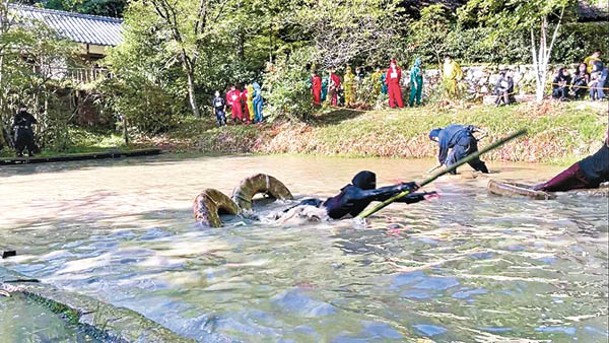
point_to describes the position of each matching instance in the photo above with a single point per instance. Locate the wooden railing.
(76, 75)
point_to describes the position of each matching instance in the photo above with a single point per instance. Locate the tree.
(34, 64)
(430, 33)
(344, 31)
(534, 16)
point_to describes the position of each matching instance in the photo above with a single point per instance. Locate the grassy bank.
(83, 141)
(558, 132)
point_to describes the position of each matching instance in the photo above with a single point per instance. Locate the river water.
(466, 267)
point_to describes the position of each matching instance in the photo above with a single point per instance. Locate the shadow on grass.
(335, 117)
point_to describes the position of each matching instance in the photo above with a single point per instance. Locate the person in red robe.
(233, 99)
(246, 111)
(334, 87)
(392, 79)
(316, 88)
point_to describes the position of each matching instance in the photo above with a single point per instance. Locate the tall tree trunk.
(125, 131)
(541, 58)
(190, 77)
(192, 96)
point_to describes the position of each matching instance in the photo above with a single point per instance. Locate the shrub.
(286, 87)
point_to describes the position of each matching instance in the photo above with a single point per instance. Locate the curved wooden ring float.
(209, 204)
(259, 183)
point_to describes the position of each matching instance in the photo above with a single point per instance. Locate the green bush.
(470, 46)
(578, 40)
(286, 87)
(147, 107)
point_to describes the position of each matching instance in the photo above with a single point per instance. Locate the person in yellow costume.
(452, 74)
(377, 83)
(250, 102)
(349, 84)
(590, 60)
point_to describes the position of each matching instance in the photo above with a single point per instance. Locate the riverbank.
(558, 132)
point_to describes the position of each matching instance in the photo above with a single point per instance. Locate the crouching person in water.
(24, 135)
(587, 173)
(460, 140)
(356, 196)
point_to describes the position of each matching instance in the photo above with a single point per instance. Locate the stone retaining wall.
(479, 81)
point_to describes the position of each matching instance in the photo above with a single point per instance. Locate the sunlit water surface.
(467, 267)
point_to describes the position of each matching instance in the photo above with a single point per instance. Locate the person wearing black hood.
(561, 84)
(24, 135)
(356, 196)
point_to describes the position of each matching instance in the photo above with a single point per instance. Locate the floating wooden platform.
(79, 157)
(511, 189)
(516, 189)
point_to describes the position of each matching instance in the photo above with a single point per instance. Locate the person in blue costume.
(457, 142)
(324, 88)
(384, 88)
(416, 83)
(258, 103)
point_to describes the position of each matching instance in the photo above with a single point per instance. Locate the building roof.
(76, 27)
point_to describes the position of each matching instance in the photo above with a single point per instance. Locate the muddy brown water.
(469, 266)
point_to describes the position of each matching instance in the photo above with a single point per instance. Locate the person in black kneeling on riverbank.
(356, 196)
(587, 173)
(24, 134)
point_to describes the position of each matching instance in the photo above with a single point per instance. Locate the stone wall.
(479, 81)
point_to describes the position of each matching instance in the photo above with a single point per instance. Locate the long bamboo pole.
(443, 171)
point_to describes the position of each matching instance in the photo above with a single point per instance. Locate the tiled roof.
(80, 28)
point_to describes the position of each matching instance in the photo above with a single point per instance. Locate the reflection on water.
(469, 266)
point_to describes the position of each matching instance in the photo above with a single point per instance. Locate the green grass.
(83, 141)
(558, 133)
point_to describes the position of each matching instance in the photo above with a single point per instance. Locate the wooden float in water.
(260, 183)
(511, 189)
(208, 206)
(516, 189)
(79, 157)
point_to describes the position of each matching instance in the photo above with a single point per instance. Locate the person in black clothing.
(587, 173)
(504, 88)
(24, 135)
(560, 85)
(356, 196)
(219, 105)
(581, 78)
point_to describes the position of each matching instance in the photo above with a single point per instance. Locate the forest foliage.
(176, 53)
